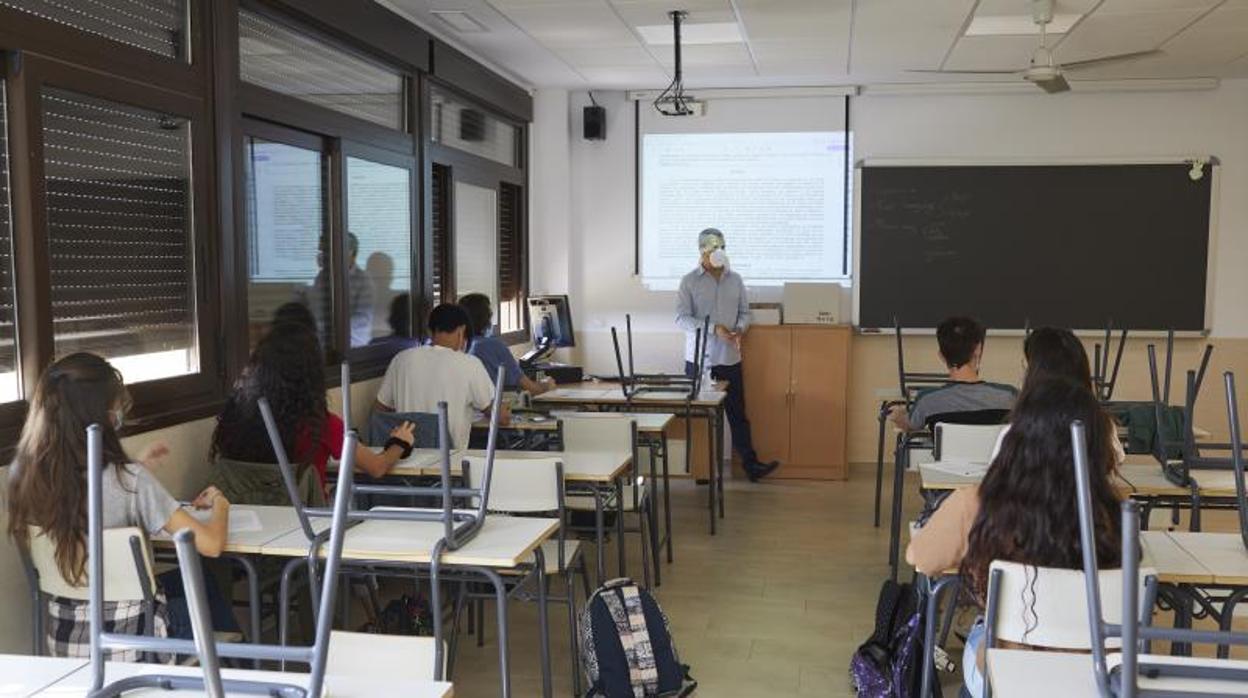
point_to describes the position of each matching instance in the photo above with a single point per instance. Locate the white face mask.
(718, 258)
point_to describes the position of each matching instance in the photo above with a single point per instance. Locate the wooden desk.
(939, 476)
(1222, 554)
(647, 422)
(708, 404)
(24, 675)
(355, 686)
(503, 543)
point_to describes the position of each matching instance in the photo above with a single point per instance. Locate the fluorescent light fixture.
(706, 33)
(460, 21)
(1018, 25)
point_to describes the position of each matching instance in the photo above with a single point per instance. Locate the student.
(1025, 509)
(1052, 352)
(48, 488)
(961, 341)
(491, 350)
(421, 377)
(287, 368)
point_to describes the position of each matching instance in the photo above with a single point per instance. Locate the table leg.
(667, 500)
(894, 531)
(719, 455)
(879, 469)
(283, 603)
(1228, 617)
(621, 551)
(504, 653)
(600, 534)
(652, 512)
(543, 627)
(710, 469)
(253, 597)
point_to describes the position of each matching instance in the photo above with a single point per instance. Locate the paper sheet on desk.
(241, 520)
(957, 468)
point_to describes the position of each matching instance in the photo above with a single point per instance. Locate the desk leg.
(543, 627)
(600, 536)
(621, 551)
(894, 532)
(504, 653)
(1228, 617)
(719, 455)
(283, 603)
(253, 597)
(667, 500)
(652, 512)
(879, 469)
(711, 472)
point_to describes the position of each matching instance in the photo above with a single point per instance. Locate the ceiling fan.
(1043, 71)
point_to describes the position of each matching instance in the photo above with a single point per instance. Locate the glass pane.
(475, 235)
(120, 234)
(281, 59)
(10, 386)
(462, 126)
(285, 238)
(379, 245)
(159, 26)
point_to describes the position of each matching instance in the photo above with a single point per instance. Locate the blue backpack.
(626, 645)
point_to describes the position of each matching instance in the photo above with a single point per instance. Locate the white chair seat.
(1212, 687)
(404, 657)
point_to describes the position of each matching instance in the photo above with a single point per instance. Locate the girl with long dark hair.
(47, 490)
(1025, 510)
(287, 368)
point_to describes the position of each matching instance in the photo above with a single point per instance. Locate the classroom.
(623, 348)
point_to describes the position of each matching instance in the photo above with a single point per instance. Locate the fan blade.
(1111, 59)
(966, 72)
(1054, 86)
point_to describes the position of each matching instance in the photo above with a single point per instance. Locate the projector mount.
(673, 101)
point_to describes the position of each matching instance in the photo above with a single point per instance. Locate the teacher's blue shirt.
(494, 353)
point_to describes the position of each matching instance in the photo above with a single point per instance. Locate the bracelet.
(396, 441)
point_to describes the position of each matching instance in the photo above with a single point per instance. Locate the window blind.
(119, 233)
(441, 214)
(510, 258)
(158, 26)
(8, 314)
(281, 59)
(466, 127)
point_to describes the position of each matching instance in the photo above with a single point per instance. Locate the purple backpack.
(889, 664)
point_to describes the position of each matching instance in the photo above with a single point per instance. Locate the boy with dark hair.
(417, 379)
(961, 342)
(491, 350)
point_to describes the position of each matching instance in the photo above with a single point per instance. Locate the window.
(440, 185)
(119, 234)
(475, 240)
(511, 255)
(379, 251)
(286, 237)
(9, 385)
(281, 59)
(462, 126)
(158, 26)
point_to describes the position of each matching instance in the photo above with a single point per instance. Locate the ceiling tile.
(1105, 34)
(582, 24)
(891, 36)
(992, 53)
(622, 57)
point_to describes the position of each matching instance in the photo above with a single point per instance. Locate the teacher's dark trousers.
(734, 408)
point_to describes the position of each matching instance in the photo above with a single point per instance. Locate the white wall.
(1089, 126)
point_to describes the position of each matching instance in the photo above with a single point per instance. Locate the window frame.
(158, 402)
(474, 169)
(373, 359)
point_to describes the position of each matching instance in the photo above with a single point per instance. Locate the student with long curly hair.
(1025, 510)
(47, 489)
(287, 368)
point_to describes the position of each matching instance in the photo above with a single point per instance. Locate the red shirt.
(329, 444)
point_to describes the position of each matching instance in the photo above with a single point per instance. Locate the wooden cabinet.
(796, 383)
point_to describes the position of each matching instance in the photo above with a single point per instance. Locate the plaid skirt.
(69, 628)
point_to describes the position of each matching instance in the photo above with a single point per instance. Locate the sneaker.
(760, 469)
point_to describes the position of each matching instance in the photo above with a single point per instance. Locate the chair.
(1167, 676)
(585, 433)
(965, 441)
(127, 571)
(531, 486)
(405, 657)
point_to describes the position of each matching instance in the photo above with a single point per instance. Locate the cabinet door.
(820, 380)
(766, 353)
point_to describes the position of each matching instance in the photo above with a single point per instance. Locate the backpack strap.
(630, 623)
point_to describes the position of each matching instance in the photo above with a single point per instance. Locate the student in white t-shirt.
(419, 378)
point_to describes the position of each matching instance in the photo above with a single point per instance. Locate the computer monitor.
(550, 322)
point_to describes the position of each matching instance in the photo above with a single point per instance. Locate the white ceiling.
(594, 43)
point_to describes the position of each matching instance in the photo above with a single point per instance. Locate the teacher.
(714, 291)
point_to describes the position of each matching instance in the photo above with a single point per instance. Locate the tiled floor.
(773, 606)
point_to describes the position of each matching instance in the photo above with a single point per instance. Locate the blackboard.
(1076, 246)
